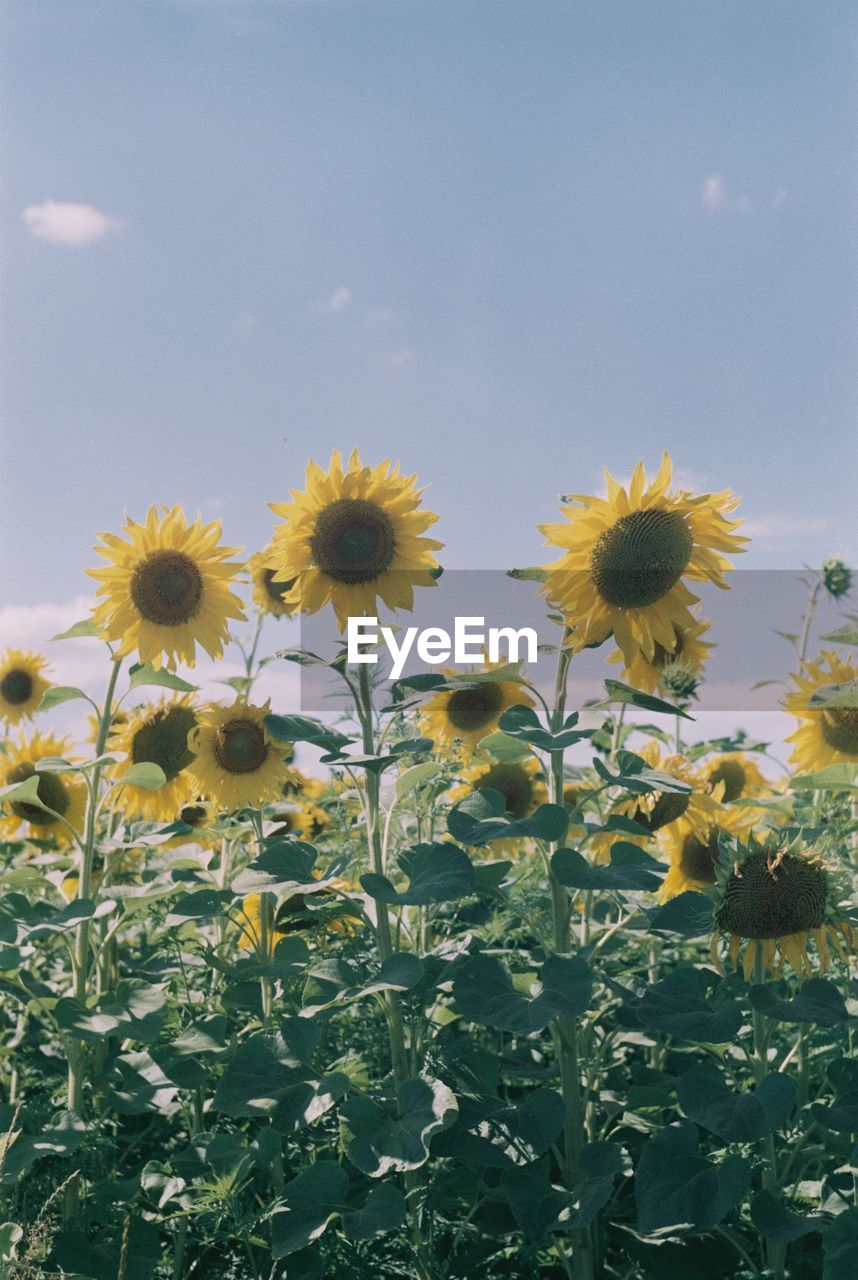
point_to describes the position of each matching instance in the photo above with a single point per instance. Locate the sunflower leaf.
(629, 868)
(836, 777)
(774, 1220)
(619, 692)
(483, 990)
(307, 1206)
(86, 627)
(818, 1002)
(757, 1113)
(481, 818)
(523, 722)
(145, 774)
(60, 693)
(141, 673)
(843, 635)
(305, 729)
(380, 1143)
(674, 1185)
(678, 1006)
(836, 695)
(437, 872)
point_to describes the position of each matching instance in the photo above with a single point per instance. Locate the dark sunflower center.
(515, 785)
(240, 746)
(471, 709)
(840, 729)
(637, 561)
(193, 815)
(768, 900)
(276, 590)
(731, 773)
(699, 858)
(163, 740)
(16, 687)
(353, 540)
(167, 588)
(51, 791)
(669, 806)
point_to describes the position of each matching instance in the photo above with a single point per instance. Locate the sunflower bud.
(680, 681)
(837, 577)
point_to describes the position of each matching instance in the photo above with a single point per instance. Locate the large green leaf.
(483, 990)
(282, 867)
(383, 1210)
(689, 914)
(707, 1099)
(380, 1143)
(840, 1246)
(818, 1001)
(523, 723)
(307, 1205)
(437, 872)
(61, 1138)
(270, 1075)
(481, 818)
(835, 777)
(305, 729)
(776, 1222)
(675, 1186)
(619, 692)
(630, 868)
(678, 1005)
(142, 673)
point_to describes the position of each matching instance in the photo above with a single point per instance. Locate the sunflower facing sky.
(268, 591)
(167, 588)
(827, 735)
(352, 537)
(65, 794)
(625, 558)
(158, 734)
(776, 899)
(235, 761)
(458, 719)
(22, 685)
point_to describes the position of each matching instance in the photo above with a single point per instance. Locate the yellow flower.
(236, 762)
(196, 814)
(519, 783)
(352, 537)
(740, 774)
(22, 685)
(625, 557)
(157, 734)
(308, 821)
(689, 652)
(776, 899)
(65, 794)
(694, 854)
(827, 735)
(458, 719)
(293, 915)
(268, 592)
(166, 589)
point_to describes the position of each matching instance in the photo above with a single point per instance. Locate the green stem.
(775, 1253)
(808, 617)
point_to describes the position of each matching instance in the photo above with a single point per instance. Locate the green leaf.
(84, 628)
(619, 692)
(481, 818)
(26, 792)
(843, 635)
(145, 774)
(62, 1138)
(270, 1075)
(774, 1220)
(60, 693)
(70, 917)
(11, 1235)
(836, 695)
(307, 1205)
(532, 573)
(80, 1255)
(500, 746)
(483, 990)
(523, 722)
(688, 914)
(142, 673)
(379, 1143)
(706, 1099)
(836, 777)
(678, 1006)
(840, 1246)
(383, 1210)
(202, 904)
(630, 868)
(280, 868)
(304, 729)
(437, 872)
(415, 777)
(818, 1001)
(676, 1186)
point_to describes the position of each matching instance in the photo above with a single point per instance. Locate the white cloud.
(337, 302)
(713, 192)
(63, 222)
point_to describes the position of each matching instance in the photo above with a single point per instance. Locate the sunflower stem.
(80, 953)
(808, 617)
(565, 1026)
(775, 1252)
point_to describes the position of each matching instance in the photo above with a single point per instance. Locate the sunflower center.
(163, 740)
(167, 588)
(353, 540)
(193, 815)
(51, 791)
(472, 709)
(514, 784)
(699, 858)
(16, 687)
(731, 773)
(669, 806)
(768, 900)
(840, 729)
(637, 561)
(240, 746)
(276, 590)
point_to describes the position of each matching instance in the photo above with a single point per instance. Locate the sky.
(507, 242)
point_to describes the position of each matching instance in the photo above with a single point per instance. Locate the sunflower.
(158, 734)
(235, 761)
(268, 592)
(65, 794)
(199, 816)
(294, 915)
(519, 782)
(668, 813)
(166, 588)
(352, 537)
(778, 898)
(22, 685)
(694, 854)
(828, 735)
(740, 774)
(308, 821)
(458, 719)
(625, 557)
(686, 658)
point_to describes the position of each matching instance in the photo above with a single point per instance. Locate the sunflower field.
(461, 980)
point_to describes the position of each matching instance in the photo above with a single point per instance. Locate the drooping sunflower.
(158, 734)
(625, 558)
(687, 656)
(236, 762)
(352, 537)
(827, 735)
(458, 719)
(167, 588)
(22, 685)
(269, 592)
(776, 897)
(61, 792)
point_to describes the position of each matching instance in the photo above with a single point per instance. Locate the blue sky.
(505, 242)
